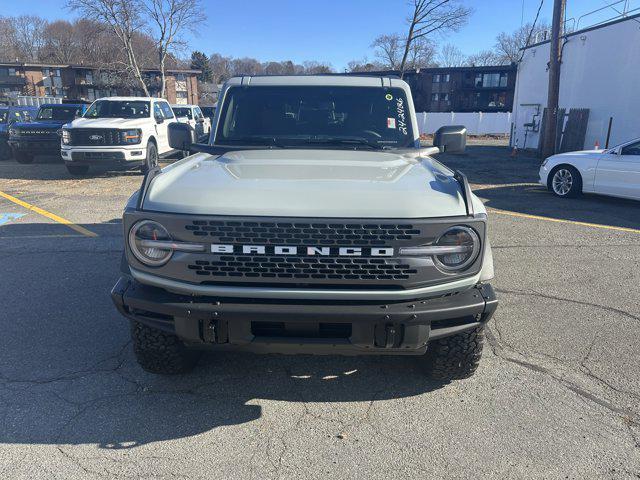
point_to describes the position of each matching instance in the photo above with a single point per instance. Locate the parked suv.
(129, 131)
(312, 222)
(9, 115)
(41, 137)
(192, 115)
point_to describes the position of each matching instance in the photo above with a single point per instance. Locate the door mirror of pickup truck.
(159, 119)
(451, 138)
(181, 136)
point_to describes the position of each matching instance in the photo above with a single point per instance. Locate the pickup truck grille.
(286, 233)
(37, 132)
(92, 137)
(298, 268)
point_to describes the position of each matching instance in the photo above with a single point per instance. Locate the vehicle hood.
(41, 124)
(578, 154)
(120, 123)
(307, 183)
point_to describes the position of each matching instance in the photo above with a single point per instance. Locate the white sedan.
(614, 172)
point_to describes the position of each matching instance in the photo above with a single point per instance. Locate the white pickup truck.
(192, 115)
(130, 131)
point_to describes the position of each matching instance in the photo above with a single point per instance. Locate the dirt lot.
(557, 394)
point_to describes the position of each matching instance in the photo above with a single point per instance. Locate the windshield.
(58, 113)
(4, 114)
(118, 109)
(182, 112)
(288, 116)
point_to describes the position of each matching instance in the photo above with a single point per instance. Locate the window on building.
(491, 80)
(445, 97)
(436, 78)
(181, 77)
(444, 78)
(435, 97)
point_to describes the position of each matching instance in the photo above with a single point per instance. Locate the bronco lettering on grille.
(303, 251)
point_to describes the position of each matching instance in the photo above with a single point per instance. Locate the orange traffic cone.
(514, 152)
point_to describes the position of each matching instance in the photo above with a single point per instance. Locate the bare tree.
(124, 19)
(422, 54)
(246, 66)
(221, 67)
(170, 19)
(483, 59)
(451, 56)
(432, 17)
(364, 66)
(28, 36)
(8, 50)
(388, 49)
(508, 45)
(316, 68)
(61, 43)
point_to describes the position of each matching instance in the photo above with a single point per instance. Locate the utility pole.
(549, 147)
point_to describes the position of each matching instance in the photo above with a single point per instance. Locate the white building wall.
(600, 71)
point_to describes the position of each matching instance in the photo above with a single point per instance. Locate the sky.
(333, 31)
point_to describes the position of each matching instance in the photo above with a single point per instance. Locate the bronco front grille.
(285, 233)
(299, 268)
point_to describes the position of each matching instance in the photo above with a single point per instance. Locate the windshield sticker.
(388, 96)
(391, 123)
(402, 119)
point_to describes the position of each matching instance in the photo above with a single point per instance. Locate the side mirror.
(181, 136)
(451, 138)
(159, 119)
(200, 120)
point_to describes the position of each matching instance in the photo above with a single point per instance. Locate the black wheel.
(455, 357)
(565, 181)
(160, 352)
(152, 158)
(22, 157)
(78, 169)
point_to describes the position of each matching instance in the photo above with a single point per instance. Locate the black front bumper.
(319, 327)
(35, 147)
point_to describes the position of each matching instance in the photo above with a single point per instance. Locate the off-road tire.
(152, 158)
(575, 182)
(160, 352)
(22, 157)
(78, 169)
(455, 357)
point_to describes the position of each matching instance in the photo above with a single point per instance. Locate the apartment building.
(82, 82)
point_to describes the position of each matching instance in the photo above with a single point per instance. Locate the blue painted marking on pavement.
(7, 217)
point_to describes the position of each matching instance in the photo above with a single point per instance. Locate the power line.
(533, 27)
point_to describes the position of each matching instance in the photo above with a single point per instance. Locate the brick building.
(82, 82)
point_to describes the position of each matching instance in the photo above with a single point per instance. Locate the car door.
(198, 122)
(162, 128)
(618, 172)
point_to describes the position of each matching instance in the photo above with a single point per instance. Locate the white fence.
(477, 123)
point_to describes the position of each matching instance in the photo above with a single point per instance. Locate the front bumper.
(132, 156)
(36, 146)
(310, 327)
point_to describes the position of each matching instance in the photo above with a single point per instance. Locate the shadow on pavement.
(68, 375)
(493, 165)
(53, 168)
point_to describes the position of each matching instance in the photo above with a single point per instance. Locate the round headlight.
(140, 235)
(468, 247)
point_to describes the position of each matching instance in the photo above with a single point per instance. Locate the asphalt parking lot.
(557, 394)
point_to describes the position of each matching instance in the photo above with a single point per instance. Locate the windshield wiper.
(345, 141)
(266, 140)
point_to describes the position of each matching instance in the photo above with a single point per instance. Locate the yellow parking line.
(559, 220)
(49, 215)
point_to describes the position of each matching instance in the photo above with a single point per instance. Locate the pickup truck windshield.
(183, 112)
(304, 116)
(58, 113)
(118, 109)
